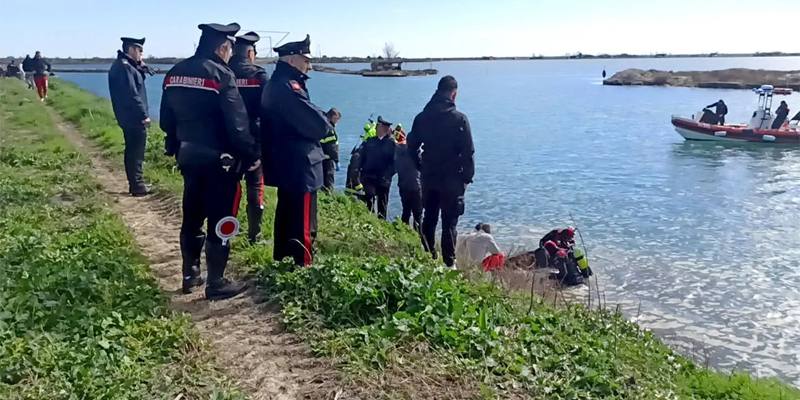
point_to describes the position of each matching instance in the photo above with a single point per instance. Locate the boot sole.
(227, 295)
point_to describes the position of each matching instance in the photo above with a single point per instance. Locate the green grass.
(377, 306)
(80, 315)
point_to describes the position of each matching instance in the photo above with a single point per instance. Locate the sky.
(416, 28)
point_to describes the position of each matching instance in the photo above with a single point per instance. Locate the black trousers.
(328, 174)
(376, 196)
(450, 202)
(295, 226)
(209, 194)
(135, 142)
(412, 206)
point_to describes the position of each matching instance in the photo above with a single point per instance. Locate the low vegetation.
(80, 315)
(380, 308)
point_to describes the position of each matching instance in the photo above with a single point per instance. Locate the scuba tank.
(582, 261)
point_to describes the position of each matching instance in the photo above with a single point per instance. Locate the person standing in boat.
(780, 115)
(721, 110)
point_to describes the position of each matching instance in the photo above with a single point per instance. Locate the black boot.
(191, 246)
(219, 288)
(139, 189)
(254, 215)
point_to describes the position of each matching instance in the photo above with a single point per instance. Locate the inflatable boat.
(759, 130)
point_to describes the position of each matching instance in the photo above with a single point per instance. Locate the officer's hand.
(255, 165)
(146, 122)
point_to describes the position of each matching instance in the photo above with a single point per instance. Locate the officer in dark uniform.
(208, 130)
(377, 168)
(129, 100)
(446, 165)
(330, 147)
(251, 79)
(291, 128)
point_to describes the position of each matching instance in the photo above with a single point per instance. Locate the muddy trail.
(245, 333)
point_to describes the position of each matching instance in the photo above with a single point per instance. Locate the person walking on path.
(27, 68)
(291, 128)
(443, 136)
(41, 71)
(129, 102)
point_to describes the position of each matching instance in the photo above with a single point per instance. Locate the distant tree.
(389, 51)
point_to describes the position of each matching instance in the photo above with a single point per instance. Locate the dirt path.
(245, 333)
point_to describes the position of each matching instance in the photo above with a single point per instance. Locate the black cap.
(249, 38)
(126, 41)
(220, 31)
(302, 47)
(383, 121)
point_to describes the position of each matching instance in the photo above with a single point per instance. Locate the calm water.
(705, 237)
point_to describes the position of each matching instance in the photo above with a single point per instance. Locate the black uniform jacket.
(128, 93)
(291, 128)
(377, 160)
(251, 80)
(201, 109)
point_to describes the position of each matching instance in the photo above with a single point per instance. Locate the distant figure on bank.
(291, 128)
(330, 147)
(720, 110)
(41, 70)
(251, 80)
(129, 101)
(13, 70)
(27, 68)
(781, 113)
(408, 181)
(446, 165)
(377, 168)
(208, 130)
(353, 185)
(479, 248)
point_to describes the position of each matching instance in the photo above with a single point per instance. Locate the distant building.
(386, 65)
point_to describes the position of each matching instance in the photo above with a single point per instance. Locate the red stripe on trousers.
(261, 191)
(307, 228)
(237, 198)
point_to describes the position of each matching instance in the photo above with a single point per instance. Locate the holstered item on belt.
(198, 155)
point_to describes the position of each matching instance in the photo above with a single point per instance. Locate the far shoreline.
(361, 60)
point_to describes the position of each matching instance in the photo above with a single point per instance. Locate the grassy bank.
(376, 305)
(80, 316)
